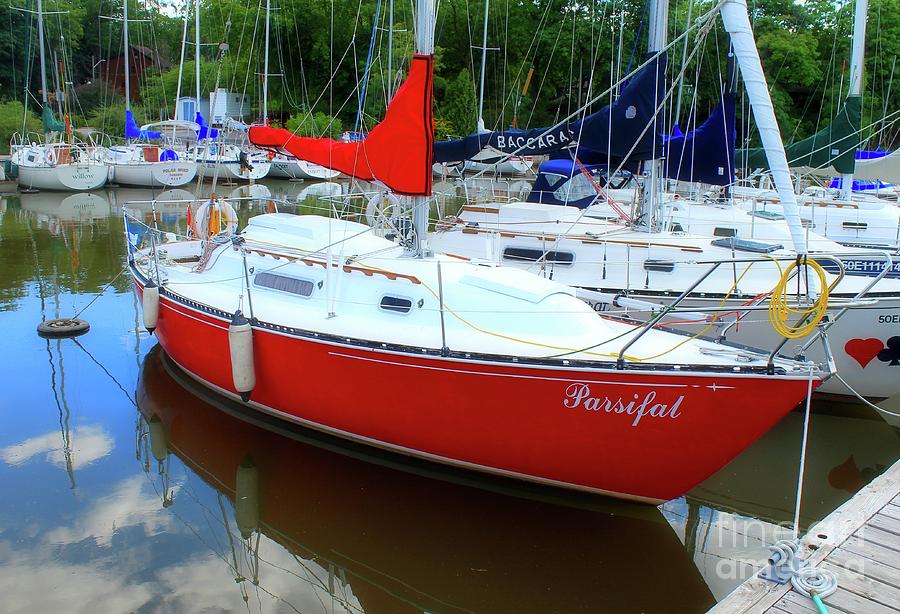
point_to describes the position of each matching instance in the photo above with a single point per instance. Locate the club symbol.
(891, 354)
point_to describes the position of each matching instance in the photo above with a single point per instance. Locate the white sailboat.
(489, 160)
(284, 166)
(144, 164)
(653, 265)
(61, 163)
(840, 214)
(216, 159)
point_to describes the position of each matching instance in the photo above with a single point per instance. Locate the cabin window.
(553, 179)
(767, 215)
(724, 232)
(284, 283)
(397, 304)
(578, 187)
(524, 254)
(747, 245)
(855, 225)
(664, 266)
(676, 227)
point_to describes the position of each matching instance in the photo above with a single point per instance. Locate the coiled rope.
(780, 309)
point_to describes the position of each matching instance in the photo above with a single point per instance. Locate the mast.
(857, 58)
(265, 107)
(483, 63)
(40, 16)
(390, 87)
(197, 49)
(424, 46)
(127, 54)
(687, 25)
(187, 15)
(659, 11)
(365, 79)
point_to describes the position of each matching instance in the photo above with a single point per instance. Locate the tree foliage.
(547, 57)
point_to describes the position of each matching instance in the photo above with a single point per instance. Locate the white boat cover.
(886, 168)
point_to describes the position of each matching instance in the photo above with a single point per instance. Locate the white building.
(222, 102)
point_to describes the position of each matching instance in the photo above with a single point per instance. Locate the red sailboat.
(320, 322)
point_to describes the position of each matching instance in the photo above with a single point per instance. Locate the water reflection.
(315, 530)
(382, 540)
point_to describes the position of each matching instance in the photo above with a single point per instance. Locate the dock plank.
(851, 602)
(886, 523)
(871, 550)
(795, 603)
(874, 569)
(866, 558)
(865, 586)
(882, 538)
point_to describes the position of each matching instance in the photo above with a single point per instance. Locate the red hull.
(458, 549)
(665, 434)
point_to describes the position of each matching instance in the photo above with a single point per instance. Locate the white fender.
(150, 304)
(158, 445)
(246, 497)
(240, 346)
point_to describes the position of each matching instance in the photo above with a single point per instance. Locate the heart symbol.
(863, 350)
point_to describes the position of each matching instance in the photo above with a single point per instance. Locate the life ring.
(63, 327)
(49, 158)
(222, 215)
(381, 208)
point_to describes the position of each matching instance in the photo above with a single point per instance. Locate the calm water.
(126, 489)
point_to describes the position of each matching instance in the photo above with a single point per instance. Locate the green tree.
(456, 104)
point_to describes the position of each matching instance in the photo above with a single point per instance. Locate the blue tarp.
(869, 154)
(705, 154)
(860, 185)
(205, 132)
(617, 131)
(133, 132)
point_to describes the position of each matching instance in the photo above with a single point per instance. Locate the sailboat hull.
(514, 165)
(64, 177)
(575, 428)
(298, 169)
(155, 174)
(232, 171)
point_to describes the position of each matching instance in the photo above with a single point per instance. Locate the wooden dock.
(859, 542)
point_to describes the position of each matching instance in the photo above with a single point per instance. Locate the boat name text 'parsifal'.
(579, 394)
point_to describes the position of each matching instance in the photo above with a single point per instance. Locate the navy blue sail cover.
(619, 130)
(705, 154)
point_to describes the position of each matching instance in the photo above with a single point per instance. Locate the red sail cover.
(397, 152)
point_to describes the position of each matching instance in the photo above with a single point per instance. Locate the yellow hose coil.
(780, 310)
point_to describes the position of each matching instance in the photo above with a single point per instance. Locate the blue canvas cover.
(133, 132)
(705, 154)
(550, 186)
(871, 154)
(860, 185)
(616, 131)
(205, 132)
